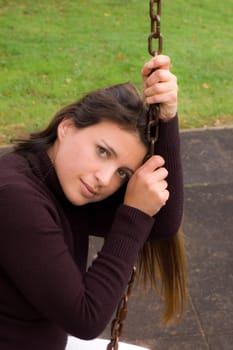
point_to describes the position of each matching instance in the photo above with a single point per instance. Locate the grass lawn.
(52, 51)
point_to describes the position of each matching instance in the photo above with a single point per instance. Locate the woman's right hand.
(147, 188)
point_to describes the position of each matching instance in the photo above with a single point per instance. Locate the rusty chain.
(154, 110)
(155, 28)
(152, 136)
(121, 314)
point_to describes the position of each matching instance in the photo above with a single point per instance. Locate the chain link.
(155, 28)
(121, 314)
(154, 110)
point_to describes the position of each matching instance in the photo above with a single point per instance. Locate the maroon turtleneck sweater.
(45, 290)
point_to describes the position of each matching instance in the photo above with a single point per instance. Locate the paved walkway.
(208, 226)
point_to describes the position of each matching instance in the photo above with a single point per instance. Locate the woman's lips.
(87, 190)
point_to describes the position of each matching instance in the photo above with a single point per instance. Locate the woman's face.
(93, 162)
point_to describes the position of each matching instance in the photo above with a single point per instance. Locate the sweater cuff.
(169, 136)
(169, 125)
(131, 228)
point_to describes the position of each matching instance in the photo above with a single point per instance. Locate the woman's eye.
(124, 175)
(102, 151)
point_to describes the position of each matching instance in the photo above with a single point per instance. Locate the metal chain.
(152, 136)
(121, 314)
(154, 110)
(155, 28)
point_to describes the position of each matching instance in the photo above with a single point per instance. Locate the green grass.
(52, 51)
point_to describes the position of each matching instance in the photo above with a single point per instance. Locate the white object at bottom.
(97, 344)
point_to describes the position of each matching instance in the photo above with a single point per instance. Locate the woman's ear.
(63, 128)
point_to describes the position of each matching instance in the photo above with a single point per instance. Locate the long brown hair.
(121, 104)
(162, 265)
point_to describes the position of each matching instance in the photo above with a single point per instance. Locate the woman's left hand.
(160, 86)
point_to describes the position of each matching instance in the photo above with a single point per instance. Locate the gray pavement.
(208, 227)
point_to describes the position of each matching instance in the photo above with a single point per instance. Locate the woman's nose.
(104, 176)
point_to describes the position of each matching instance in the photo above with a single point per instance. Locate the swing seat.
(97, 344)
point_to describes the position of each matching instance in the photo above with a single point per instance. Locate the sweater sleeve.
(168, 219)
(38, 262)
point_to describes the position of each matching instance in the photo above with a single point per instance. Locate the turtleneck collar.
(43, 168)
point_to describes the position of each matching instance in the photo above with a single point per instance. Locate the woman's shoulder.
(14, 169)
(22, 194)
(17, 178)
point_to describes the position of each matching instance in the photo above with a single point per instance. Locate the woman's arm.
(160, 86)
(169, 218)
(47, 281)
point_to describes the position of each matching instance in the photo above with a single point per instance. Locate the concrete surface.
(208, 226)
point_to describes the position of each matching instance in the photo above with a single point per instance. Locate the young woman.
(88, 173)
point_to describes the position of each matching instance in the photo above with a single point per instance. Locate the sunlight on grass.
(51, 52)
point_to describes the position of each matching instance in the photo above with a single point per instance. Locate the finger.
(153, 163)
(159, 175)
(170, 99)
(161, 88)
(165, 196)
(159, 61)
(164, 185)
(160, 76)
